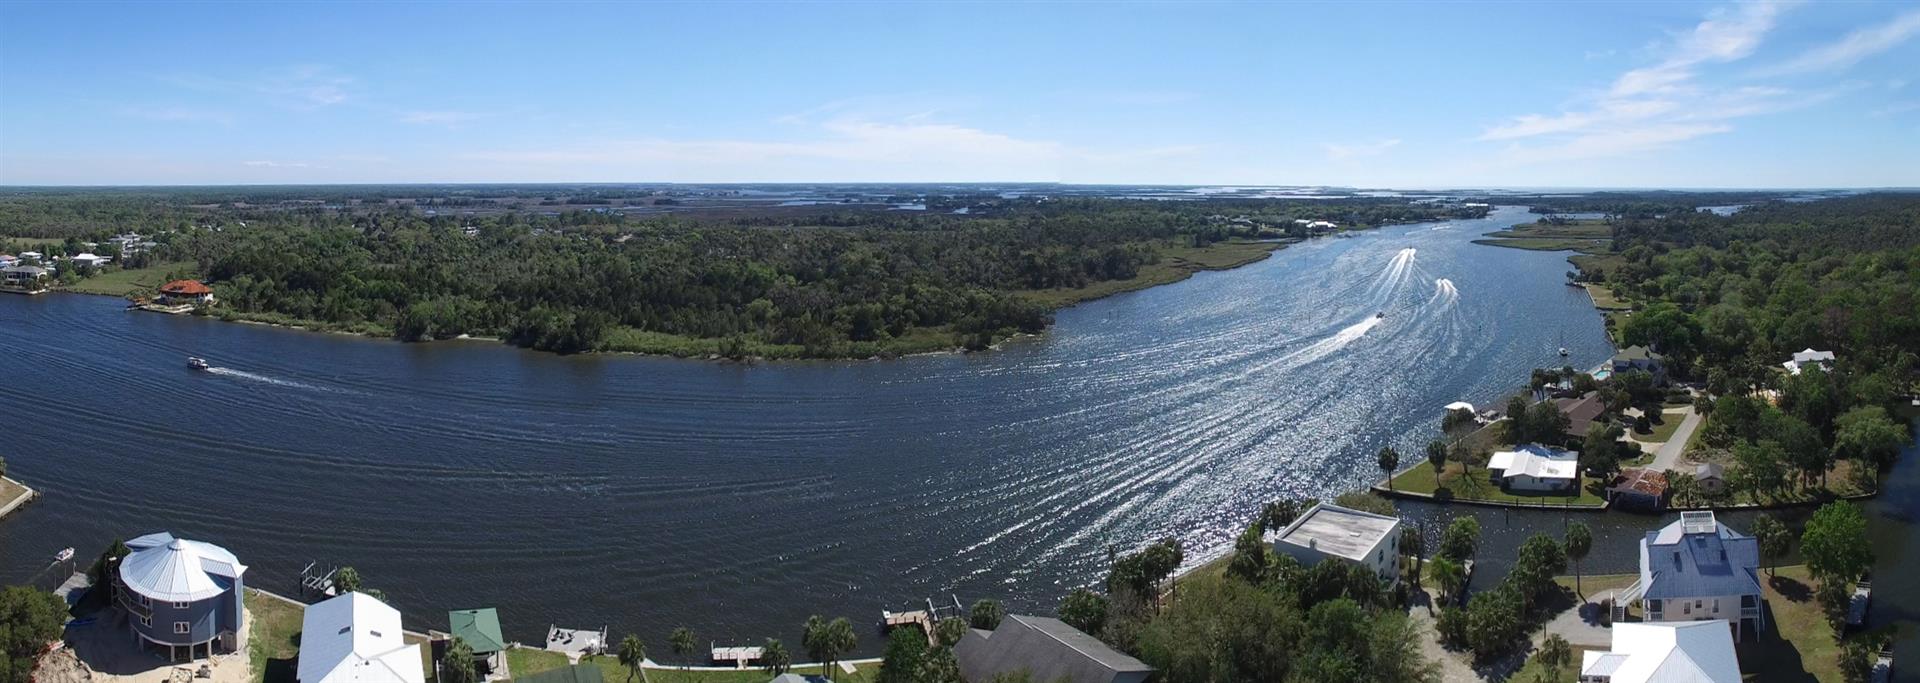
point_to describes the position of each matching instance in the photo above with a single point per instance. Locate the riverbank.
(14, 495)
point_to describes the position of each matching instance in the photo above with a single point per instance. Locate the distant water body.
(648, 493)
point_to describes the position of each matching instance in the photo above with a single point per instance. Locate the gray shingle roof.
(1046, 648)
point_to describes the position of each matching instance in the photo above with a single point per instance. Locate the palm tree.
(814, 638)
(1437, 457)
(1389, 461)
(682, 642)
(632, 653)
(1579, 541)
(774, 658)
(346, 580)
(841, 638)
(1449, 575)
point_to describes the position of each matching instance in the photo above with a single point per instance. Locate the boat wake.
(251, 377)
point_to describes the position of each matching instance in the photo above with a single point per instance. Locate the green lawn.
(1604, 299)
(526, 661)
(1548, 243)
(1663, 431)
(129, 281)
(1458, 485)
(274, 641)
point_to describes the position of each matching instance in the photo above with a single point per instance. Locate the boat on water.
(196, 363)
(63, 555)
(1381, 314)
(1563, 351)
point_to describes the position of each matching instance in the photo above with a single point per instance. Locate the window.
(145, 602)
(182, 628)
(1653, 605)
(146, 621)
(182, 605)
(1686, 608)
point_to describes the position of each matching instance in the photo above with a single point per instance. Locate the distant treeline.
(844, 283)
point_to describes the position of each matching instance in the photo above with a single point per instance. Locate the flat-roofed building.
(1331, 531)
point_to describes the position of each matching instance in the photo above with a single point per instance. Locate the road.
(1669, 452)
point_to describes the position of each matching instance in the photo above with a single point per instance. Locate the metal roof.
(162, 567)
(1698, 556)
(479, 627)
(1537, 461)
(354, 638)
(1686, 652)
(1046, 648)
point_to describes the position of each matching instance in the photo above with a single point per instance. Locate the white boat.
(63, 555)
(196, 363)
(1563, 351)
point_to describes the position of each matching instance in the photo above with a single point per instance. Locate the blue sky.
(1369, 94)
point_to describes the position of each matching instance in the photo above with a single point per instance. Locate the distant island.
(725, 271)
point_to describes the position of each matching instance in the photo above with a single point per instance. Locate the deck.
(1857, 607)
(576, 643)
(739, 657)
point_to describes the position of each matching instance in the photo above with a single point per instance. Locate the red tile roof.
(185, 288)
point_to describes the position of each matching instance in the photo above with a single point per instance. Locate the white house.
(1698, 569)
(1823, 359)
(1697, 652)
(354, 638)
(1533, 467)
(1331, 531)
(87, 258)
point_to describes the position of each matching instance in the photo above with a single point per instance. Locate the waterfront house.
(185, 292)
(1697, 569)
(1698, 652)
(1535, 468)
(28, 278)
(355, 638)
(1711, 478)
(1643, 359)
(185, 596)
(480, 628)
(32, 256)
(1332, 532)
(1046, 649)
(1639, 488)
(90, 259)
(1810, 358)
(1581, 413)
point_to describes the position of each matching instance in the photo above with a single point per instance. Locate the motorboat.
(1563, 351)
(1381, 314)
(63, 555)
(196, 363)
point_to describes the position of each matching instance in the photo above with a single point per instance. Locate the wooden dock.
(576, 643)
(927, 619)
(738, 657)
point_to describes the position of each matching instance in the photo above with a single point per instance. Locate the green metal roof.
(479, 627)
(578, 673)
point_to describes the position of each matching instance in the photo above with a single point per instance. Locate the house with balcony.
(183, 596)
(1698, 569)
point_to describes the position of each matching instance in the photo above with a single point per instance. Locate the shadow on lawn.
(1772, 654)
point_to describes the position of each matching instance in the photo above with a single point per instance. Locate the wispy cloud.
(180, 114)
(1858, 45)
(279, 164)
(440, 117)
(1343, 152)
(1663, 104)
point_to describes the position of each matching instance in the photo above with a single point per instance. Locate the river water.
(648, 493)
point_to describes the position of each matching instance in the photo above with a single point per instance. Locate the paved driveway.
(1669, 452)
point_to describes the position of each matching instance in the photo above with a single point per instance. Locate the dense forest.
(839, 283)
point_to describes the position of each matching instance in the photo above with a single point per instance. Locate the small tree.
(906, 654)
(1461, 540)
(1085, 610)
(986, 615)
(1579, 542)
(1448, 575)
(1835, 543)
(1774, 538)
(631, 653)
(346, 580)
(683, 643)
(774, 657)
(1389, 460)
(29, 619)
(1555, 653)
(457, 667)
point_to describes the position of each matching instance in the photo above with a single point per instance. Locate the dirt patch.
(61, 666)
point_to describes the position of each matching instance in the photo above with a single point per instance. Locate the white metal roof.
(162, 567)
(1536, 461)
(1460, 405)
(354, 638)
(1682, 652)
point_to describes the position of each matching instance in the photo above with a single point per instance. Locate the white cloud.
(1664, 104)
(1343, 152)
(1858, 45)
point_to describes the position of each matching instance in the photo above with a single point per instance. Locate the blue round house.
(185, 596)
